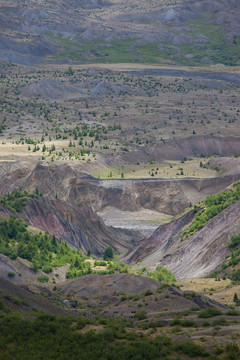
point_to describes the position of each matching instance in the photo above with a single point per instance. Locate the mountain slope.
(186, 32)
(78, 225)
(197, 255)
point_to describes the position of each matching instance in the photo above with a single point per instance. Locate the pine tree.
(108, 253)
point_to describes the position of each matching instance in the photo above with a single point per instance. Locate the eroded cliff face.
(11, 173)
(163, 239)
(68, 182)
(78, 225)
(196, 256)
(169, 196)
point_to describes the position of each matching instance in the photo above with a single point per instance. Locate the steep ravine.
(78, 225)
(196, 256)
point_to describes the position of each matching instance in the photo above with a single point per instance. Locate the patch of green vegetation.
(189, 295)
(98, 50)
(127, 51)
(41, 250)
(234, 258)
(147, 293)
(191, 349)
(212, 206)
(150, 53)
(184, 323)
(208, 313)
(162, 274)
(228, 268)
(141, 315)
(121, 51)
(2, 127)
(108, 253)
(48, 338)
(162, 288)
(3, 307)
(100, 263)
(43, 278)
(17, 200)
(233, 313)
(233, 351)
(219, 322)
(16, 300)
(218, 49)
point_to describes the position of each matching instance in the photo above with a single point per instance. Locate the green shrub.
(43, 278)
(236, 276)
(47, 337)
(162, 287)
(176, 321)
(11, 274)
(3, 307)
(81, 323)
(133, 297)
(209, 312)
(233, 351)
(219, 322)
(191, 349)
(47, 269)
(147, 293)
(188, 323)
(108, 253)
(141, 315)
(100, 263)
(189, 295)
(162, 274)
(232, 313)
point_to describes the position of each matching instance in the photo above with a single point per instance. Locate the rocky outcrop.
(78, 225)
(169, 196)
(198, 255)
(10, 175)
(68, 183)
(74, 221)
(161, 240)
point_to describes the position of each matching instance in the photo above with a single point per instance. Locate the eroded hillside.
(110, 31)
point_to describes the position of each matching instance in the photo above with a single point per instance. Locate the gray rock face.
(79, 226)
(197, 256)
